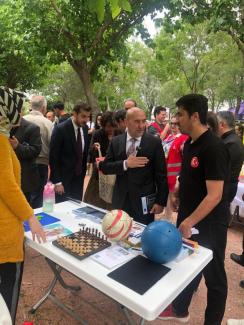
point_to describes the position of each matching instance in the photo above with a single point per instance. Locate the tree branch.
(209, 69)
(132, 21)
(183, 70)
(237, 40)
(65, 32)
(99, 36)
(56, 8)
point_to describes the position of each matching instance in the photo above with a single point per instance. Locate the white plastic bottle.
(48, 197)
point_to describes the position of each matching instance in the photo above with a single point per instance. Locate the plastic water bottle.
(48, 197)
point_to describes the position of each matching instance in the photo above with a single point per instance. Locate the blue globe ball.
(161, 241)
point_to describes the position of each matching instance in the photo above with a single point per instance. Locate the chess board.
(81, 244)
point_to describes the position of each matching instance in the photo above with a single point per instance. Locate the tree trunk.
(108, 106)
(240, 45)
(11, 81)
(238, 105)
(85, 76)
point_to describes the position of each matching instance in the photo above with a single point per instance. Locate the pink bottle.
(48, 197)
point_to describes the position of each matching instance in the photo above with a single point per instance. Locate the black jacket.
(234, 147)
(63, 153)
(137, 182)
(28, 135)
(235, 150)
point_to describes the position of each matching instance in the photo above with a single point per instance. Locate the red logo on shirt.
(194, 162)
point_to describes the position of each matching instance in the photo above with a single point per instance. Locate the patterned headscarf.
(11, 102)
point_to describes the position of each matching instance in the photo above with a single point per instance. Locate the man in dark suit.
(137, 158)
(234, 146)
(26, 142)
(68, 154)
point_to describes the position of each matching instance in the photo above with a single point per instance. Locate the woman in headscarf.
(14, 208)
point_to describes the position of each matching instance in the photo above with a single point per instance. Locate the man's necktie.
(132, 149)
(78, 167)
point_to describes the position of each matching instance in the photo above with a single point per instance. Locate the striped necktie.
(132, 149)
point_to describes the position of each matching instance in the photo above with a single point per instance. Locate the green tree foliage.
(116, 6)
(195, 60)
(130, 79)
(87, 34)
(62, 84)
(19, 68)
(190, 59)
(224, 15)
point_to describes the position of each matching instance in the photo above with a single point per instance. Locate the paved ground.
(98, 309)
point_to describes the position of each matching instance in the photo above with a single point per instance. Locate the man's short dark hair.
(58, 105)
(80, 106)
(228, 117)
(120, 115)
(195, 103)
(158, 110)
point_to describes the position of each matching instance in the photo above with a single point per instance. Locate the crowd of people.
(188, 162)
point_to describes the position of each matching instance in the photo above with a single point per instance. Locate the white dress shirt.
(128, 144)
(76, 133)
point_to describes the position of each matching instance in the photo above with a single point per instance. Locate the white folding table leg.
(129, 318)
(56, 269)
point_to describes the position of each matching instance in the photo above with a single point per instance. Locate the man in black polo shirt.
(204, 205)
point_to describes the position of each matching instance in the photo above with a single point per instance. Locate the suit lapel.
(142, 147)
(85, 134)
(20, 131)
(122, 145)
(71, 134)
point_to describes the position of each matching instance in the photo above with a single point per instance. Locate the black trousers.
(28, 197)
(243, 245)
(212, 236)
(135, 213)
(73, 190)
(10, 282)
(232, 191)
(37, 196)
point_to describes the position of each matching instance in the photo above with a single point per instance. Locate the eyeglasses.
(174, 123)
